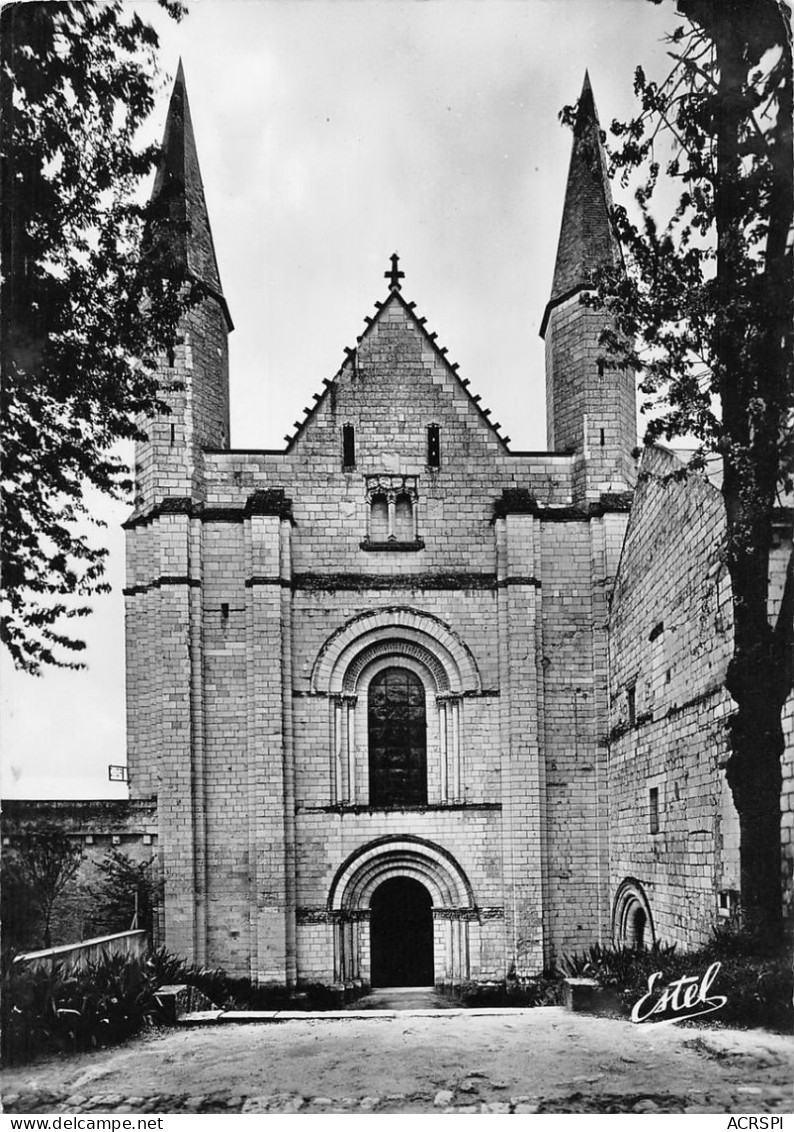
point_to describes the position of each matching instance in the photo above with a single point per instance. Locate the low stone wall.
(73, 956)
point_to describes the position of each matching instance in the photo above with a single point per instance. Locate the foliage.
(127, 895)
(166, 969)
(18, 915)
(231, 993)
(758, 987)
(704, 316)
(613, 966)
(48, 1009)
(82, 319)
(36, 872)
(544, 990)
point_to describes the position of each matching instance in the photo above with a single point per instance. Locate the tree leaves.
(705, 319)
(83, 320)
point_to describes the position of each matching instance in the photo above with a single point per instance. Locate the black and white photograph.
(397, 640)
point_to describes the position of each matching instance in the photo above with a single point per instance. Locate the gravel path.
(543, 1060)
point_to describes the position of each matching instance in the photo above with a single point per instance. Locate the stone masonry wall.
(229, 730)
(590, 408)
(671, 626)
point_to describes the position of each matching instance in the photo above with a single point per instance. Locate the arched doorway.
(401, 934)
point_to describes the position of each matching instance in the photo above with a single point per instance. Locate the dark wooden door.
(401, 934)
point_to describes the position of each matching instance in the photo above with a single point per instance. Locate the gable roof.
(395, 296)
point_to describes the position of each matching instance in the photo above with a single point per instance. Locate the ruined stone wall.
(673, 828)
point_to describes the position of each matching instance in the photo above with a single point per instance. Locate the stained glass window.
(397, 739)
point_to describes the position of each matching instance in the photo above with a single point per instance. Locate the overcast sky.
(332, 133)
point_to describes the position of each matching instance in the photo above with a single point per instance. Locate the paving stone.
(527, 1107)
(76, 1100)
(443, 1098)
(95, 1101)
(258, 1104)
(295, 1104)
(110, 1100)
(495, 1106)
(368, 1103)
(151, 1104)
(194, 1104)
(645, 1105)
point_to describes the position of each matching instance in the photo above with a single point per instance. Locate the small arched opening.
(632, 923)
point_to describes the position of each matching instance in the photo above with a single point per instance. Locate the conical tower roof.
(587, 240)
(180, 229)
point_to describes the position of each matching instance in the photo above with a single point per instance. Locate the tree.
(36, 873)
(704, 315)
(127, 895)
(83, 318)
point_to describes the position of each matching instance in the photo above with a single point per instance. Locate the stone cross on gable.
(394, 275)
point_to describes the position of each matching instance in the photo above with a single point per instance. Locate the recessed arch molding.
(395, 630)
(407, 856)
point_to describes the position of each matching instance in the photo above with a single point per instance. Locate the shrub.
(166, 969)
(544, 990)
(48, 1009)
(756, 980)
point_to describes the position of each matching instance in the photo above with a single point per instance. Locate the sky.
(330, 134)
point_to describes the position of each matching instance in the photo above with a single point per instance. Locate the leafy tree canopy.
(127, 894)
(36, 872)
(704, 316)
(83, 319)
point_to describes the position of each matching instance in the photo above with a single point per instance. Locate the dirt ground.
(544, 1059)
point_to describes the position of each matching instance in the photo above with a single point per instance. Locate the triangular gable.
(458, 387)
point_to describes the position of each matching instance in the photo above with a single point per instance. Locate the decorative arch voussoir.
(395, 630)
(366, 868)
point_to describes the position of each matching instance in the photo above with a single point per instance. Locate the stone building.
(411, 705)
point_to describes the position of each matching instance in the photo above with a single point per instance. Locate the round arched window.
(632, 923)
(397, 739)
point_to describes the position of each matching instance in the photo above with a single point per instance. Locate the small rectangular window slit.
(631, 704)
(348, 446)
(173, 435)
(653, 801)
(602, 438)
(434, 446)
(225, 611)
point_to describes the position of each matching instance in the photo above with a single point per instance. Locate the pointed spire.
(181, 226)
(586, 237)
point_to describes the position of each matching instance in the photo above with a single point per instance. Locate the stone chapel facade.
(369, 675)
